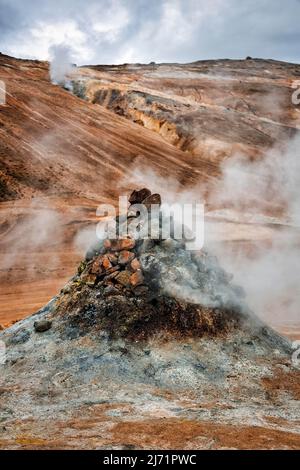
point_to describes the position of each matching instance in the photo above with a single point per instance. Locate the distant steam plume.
(61, 66)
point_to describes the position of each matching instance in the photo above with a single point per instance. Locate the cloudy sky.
(117, 31)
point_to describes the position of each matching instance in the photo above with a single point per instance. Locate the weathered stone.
(123, 278)
(107, 244)
(42, 325)
(135, 264)
(136, 197)
(111, 290)
(152, 199)
(111, 276)
(96, 267)
(112, 258)
(81, 267)
(106, 262)
(125, 257)
(136, 278)
(127, 244)
(113, 270)
(89, 279)
(122, 244)
(150, 263)
(101, 263)
(141, 290)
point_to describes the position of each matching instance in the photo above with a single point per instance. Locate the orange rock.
(127, 244)
(106, 263)
(135, 264)
(90, 279)
(97, 265)
(153, 199)
(125, 257)
(136, 278)
(100, 264)
(123, 278)
(122, 244)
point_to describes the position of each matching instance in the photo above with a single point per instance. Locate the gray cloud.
(115, 31)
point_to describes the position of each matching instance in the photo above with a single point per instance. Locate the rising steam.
(61, 65)
(254, 229)
(265, 194)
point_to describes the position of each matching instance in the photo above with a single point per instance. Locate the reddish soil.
(186, 434)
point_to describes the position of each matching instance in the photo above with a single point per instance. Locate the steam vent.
(137, 288)
(149, 344)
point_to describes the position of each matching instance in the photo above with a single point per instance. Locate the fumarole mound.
(138, 287)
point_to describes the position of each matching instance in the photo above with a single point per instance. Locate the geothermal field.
(134, 340)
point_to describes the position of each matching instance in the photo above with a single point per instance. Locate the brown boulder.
(89, 279)
(123, 278)
(111, 290)
(42, 325)
(135, 264)
(112, 258)
(152, 199)
(136, 278)
(136, 197)
(108, 279)
(113, 270)
(122, 244)
(100, 264)
(125, 257)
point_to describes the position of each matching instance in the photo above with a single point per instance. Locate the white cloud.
(108, 31)
(43, 36)
(110, 23)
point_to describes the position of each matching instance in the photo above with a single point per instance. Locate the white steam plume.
(61, 66)
(265, 193)
(255, 227)
(34, 231)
